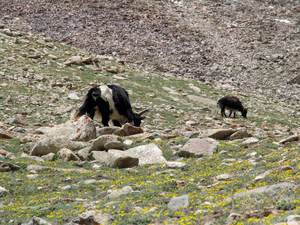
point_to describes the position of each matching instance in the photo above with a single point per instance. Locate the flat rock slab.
(197, 148)
(219, 134)
(121, 159)
(148, 154)
(289, 139)
(269, 190)
(43, 168)
(178, 202)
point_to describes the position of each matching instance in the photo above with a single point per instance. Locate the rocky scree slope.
(251, 45)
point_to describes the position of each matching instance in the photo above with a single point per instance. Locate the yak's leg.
(91, 113)
(116, 123)
(234, 114)
(230, 113)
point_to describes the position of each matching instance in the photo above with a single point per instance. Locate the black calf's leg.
(230, 113)
(223, 112)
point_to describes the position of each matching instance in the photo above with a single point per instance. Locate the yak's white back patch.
(107, 95)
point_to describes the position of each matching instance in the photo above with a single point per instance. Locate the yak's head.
(137, 118)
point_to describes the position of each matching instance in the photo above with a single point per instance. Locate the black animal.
(109, 102)
(233, 104)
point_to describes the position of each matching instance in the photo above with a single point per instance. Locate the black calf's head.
(244, 113)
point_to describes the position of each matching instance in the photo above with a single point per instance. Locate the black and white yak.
(233, 104)
(109, 102)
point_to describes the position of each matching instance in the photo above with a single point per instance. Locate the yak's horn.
(144, 111)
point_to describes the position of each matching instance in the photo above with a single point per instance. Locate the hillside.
(175, 59)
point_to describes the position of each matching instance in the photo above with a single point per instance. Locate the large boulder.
(121, 159)
(197, 148)
(148, 154)
(48, 145)
(78, 129)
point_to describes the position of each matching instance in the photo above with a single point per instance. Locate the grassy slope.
(156, 184)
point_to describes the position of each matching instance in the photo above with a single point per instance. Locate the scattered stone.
(99, 143)
(268, 190)
(178, 202)
(100, 156)
(93, 218)
(7, 167)
(233, 218)
(49, 157)
(289, 139)
(219, 134)
(78, 129)
(18, 119)
(3, 191)
(197, 148)
(106, 130)
(121, 159)
(250, 141)
(48, 145)
(240, 134)
(66, 155)
(37, 221)
(148, 154)
(175, 164)
(127, 129)
(123, 191)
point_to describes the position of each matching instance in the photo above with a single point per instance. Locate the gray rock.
(234, 217)
(83, 154)
(3, 191)
(289, 139)
(93, 218)
(49, 157)
(268, 190)
(291, 218)
(35, 158)
(127, 130)
(99, 143)
(197, 147)
(7, 167)
(106, 130)
(249, 141)
(240, 134)
(219, 134)
(67, 155)
(175, 164)
(48, 145)
(18, 119)
(121, 159)
(177, 202)
(37, 221)
(101, 156)
(147, 154)
(114, 145)
(78, 129)
(123, 191)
